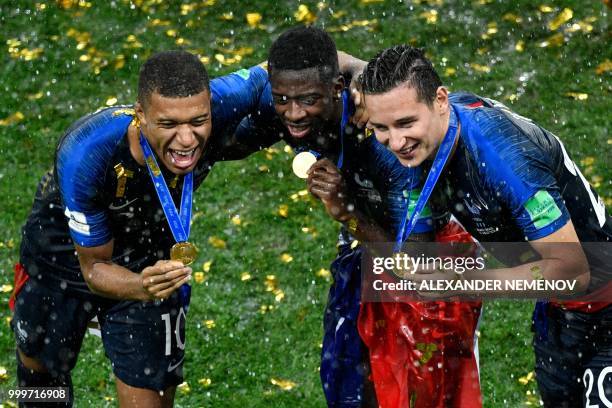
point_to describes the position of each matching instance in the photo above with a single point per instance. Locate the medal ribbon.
(180, 223)
(444, 152)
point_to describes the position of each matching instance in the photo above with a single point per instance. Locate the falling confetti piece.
(430, 16)
(546, 9)
(279, 295)
(111, 101)
(587, 161)
(3, 374)
(6, 288)
(198, 277)
(578, 96)
(205, 382)
(604, 67)
(236, 220)
(12, 119)
(283, 210)
(210, 324)
(253, 19)
(480, 68)
(217, 243)
(184, 387)
(563, 17)
(286, 258)
(285, 385)
(206, 266)
(304, 15)
(556, 40)
(323, 273)
(245, 276)
(526, 379)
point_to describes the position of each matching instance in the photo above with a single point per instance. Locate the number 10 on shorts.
(178, 336)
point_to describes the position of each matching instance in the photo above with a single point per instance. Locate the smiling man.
(508, 180)
(120, 193)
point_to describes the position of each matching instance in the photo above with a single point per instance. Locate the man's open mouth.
(182, 158)
(298, 131)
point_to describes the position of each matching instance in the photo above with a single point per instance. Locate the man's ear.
(140, 115)
(441, 102)
(339, 85)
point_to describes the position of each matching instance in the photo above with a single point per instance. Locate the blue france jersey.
(510, 180)
(98, 192)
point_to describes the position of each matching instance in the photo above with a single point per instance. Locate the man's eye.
(198, 123)
(280, 100)
(167, 125)
(310, 100)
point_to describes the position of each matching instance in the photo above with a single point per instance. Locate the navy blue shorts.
(144, 341)
(574, 363)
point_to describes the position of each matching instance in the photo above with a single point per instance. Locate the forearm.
(575, 274)
(349, 64)
(110, 280)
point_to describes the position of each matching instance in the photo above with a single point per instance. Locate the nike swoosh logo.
(172, 367)
(118, 207)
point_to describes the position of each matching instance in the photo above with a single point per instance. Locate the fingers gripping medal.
(302, 163)
(179, 223)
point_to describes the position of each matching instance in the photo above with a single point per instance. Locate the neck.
(133, 134)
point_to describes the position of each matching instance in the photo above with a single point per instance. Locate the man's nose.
(294, 112)
(396, 140)
(185, 135)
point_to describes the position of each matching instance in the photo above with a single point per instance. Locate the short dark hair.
(172, 74)
(304, 47)
(399, 64)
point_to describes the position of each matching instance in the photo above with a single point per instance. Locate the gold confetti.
(526, 379)
(520, 46)
(220, 58)
(263, 168)
(109, 398)
(184, 388)
(545, 9)
(111, 101)
(587, 161)
(596, 181)
(253, 19)
(578, 96)
(227, 16)
(171, 33)
(187, 8)
(449, 71)
(289, 150)
(3, 374)
(236, 220)
(430, 16)
(286, 258)
(283, 210)
(206, 266)
(265, 308)
(12, 119)
(205, 60)
(604, 67)
(210, 324)
(480, 68)
(563, 17)
(217, 243)
(304, 15)
(245, 276)
(323, 273)
(279, 295)
(198, 277)
(6, 288)
(555, 40)
(354, 244)
(513, 18)
(270, 283)
(205, 382)
(157, 22)
(285, 385)
(119, 61)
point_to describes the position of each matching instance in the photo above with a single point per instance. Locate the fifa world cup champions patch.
(542, 209)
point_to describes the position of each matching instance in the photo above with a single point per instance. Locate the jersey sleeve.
(515, 165)
(242, 110)
(81, 162)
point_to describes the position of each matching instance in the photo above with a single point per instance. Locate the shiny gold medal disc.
(185, 252)
(302, 163)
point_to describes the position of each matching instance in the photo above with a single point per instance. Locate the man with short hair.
(360, 183)
(508, 180)
(120, 194)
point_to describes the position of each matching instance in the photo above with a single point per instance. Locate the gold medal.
(185, 252)
(302, 163)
